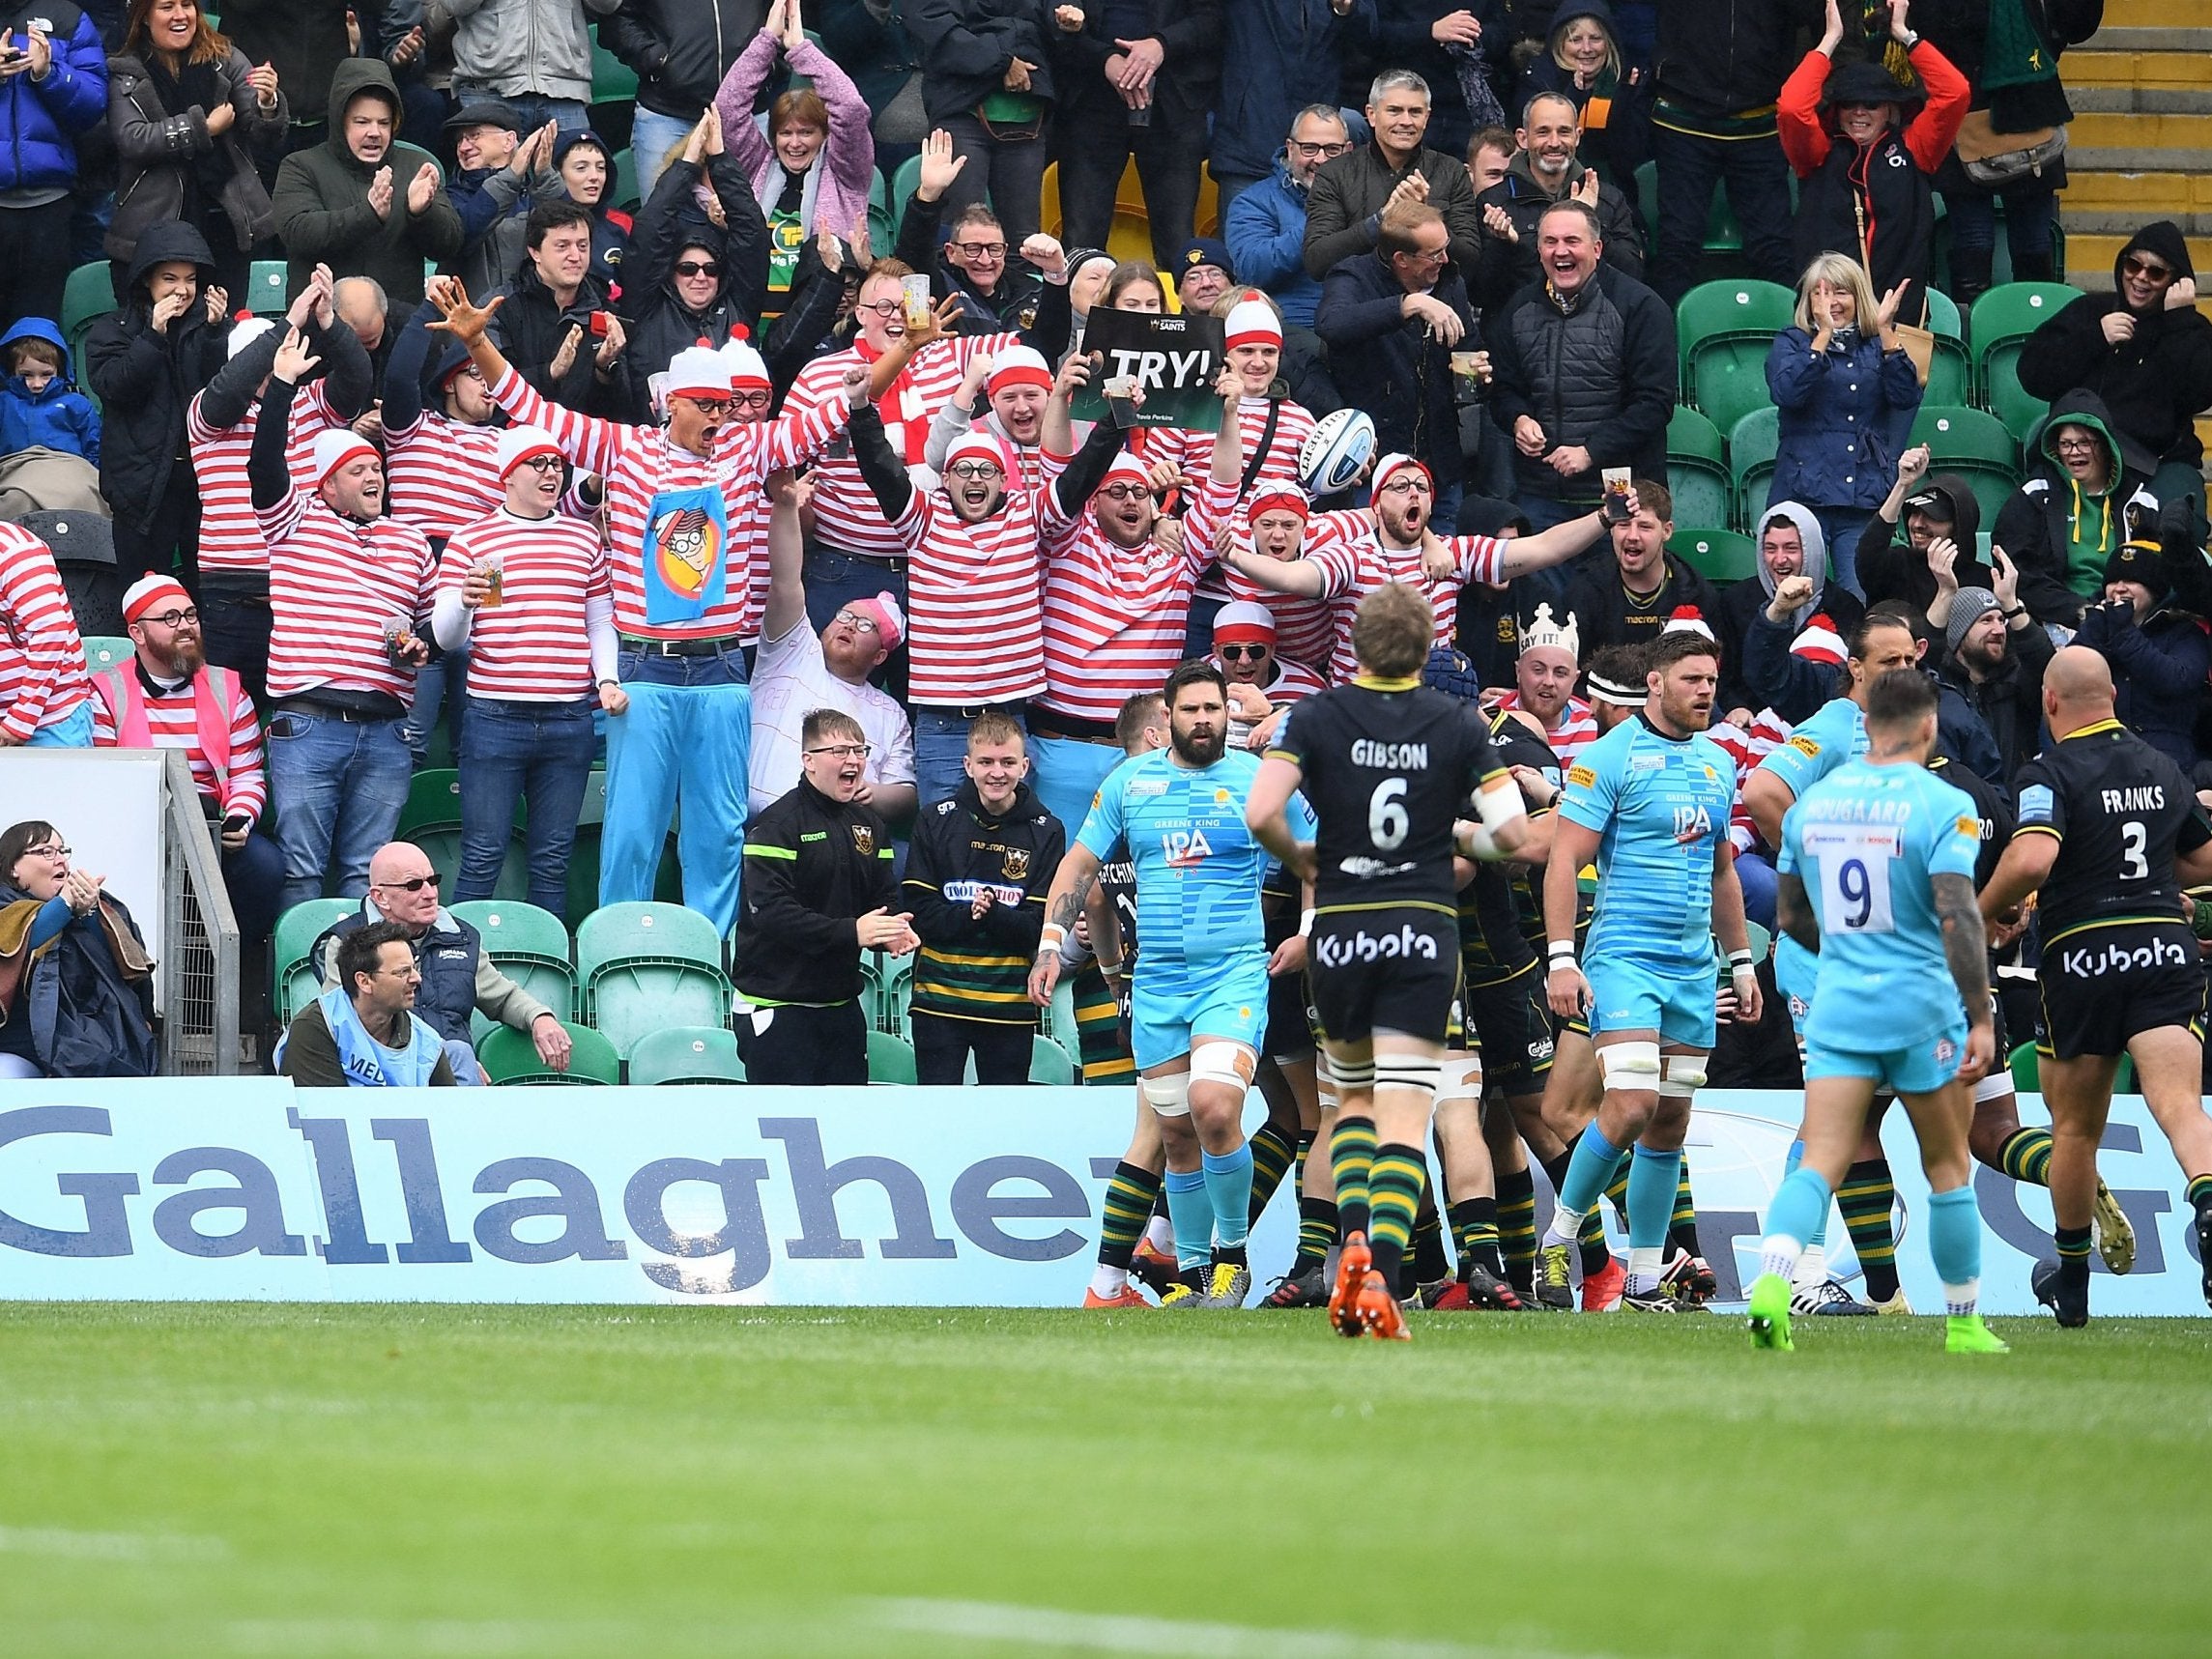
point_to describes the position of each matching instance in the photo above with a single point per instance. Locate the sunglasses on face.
(414, 884)
(696, 268)
(1242, 653)
(2136, 265)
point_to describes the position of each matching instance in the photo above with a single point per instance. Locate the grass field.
(337, 1480)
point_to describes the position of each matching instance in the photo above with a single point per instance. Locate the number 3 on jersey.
(1854, 877)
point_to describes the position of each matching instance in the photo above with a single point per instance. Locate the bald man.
(457, 978)
(2110, 832)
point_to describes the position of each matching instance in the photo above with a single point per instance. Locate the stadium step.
(2124, 69)
(2089, 255)
(2137, 143)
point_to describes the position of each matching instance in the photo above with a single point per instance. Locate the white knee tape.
(1685, 1077)
(1219, 1063)
(1352, 1076)
(1169, 1097)
(1460, 1079)
(1631, 1066)
(1415, 1076)
(1993, 1087)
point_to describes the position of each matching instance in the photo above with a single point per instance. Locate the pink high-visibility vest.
(215, 694)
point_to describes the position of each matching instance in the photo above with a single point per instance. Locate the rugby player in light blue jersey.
(1198, 1000)
(1876, 874)
(1649, 802)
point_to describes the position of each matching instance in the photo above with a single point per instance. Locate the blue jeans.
(536, 752)
(1065, 772)
(1841, 526)
(461, 1055)
(1756, 876)
(1758, 180)
(533, 108)
(253, 875)
(338, 788)
(689, 729)
(74, 730)
(1543, 511)
(652, 135)
(940, 750)
(432, 680)
(2029, 214)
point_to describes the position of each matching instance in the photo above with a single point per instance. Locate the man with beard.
(1995, 662)
(1545, 170)
(1650, 803)
(1198, 998)
(1543, 686)
(1631, 597)
(167, 697)
(1017, 383)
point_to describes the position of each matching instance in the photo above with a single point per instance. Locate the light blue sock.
(1229, 1188)
(1191, 1215)
(1820, 1238)
(1590, 1172)
(1955, 1241)
(1800, 1206)
(1652, 1183)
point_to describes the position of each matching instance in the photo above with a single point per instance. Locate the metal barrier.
(199, 966)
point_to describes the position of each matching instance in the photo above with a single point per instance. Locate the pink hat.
(335, 449)
(150, 593)
(883, 611)
(1251, 323)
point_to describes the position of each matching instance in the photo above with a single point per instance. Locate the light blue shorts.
(1227, 999)
(1921, 1068)
(1628, 996)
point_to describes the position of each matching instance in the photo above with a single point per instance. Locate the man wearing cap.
(2158, 655)
(168, 696)
(44, 692)
(497, 177)
(348, 590)
(1265, 225)
(1543, 685)
(1994, 658)
(797, 671)
(686, 517)
(1941, 551)
(526, 589)
(1016, 383)
(1259, 684)
(1203, 273)
(220, 425)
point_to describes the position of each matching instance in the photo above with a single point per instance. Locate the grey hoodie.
(1816, 556)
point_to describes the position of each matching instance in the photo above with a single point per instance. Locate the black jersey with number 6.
(2120, 810)
(1386, 773)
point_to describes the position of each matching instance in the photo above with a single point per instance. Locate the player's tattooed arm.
(1794, 912)
(1965, 945)
(1067, 906)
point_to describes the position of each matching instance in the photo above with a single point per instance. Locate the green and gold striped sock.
(1317, 1232)
(1866, 1198)
(1272, 1150)
(1394, 1185)
(1517, 1226)
(1129, 1198)
(1351, 1161)
(2025, 1156)
(1617, 1191)
(1682, 1226)
(2200, 1193)
(2073, 1246)
(1430, 1262)
(1474, 1230)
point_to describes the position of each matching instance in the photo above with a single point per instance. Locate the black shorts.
(2103, 986)
(1512, 1031)
(1289, 1016)
(1396, 968)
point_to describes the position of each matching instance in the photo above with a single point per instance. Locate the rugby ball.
(1337, 451)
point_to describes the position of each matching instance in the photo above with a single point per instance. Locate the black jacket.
(303, 39)
(812, 869)
(1605, 615)
(2010, 702)
(1601, 374)
(1348, 195)
(2039, 522)
(966, 45)
(344, 371)
(681, 49)
(2158, 669)
(80, 1009)
(1721, 57)
(1508, 265)
(975, 967)
(1189, 33)
(659, 322)
(1763, 671)
(1399, 36)
(1385, 363)
(529, 328)
(2155, 384)
(145, 380)
(1891, 567)
(1960, 31)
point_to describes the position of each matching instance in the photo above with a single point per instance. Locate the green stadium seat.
(686, 1054)
(510, 1058)
(1724, 331)
(1697, 470)
(528, 945)
(105, 652)
(903, 183)
(1976, 446)
(625, 179)
(1722, 234)
(882, 223)
(1761, 941)
(89, 295)
(1999, 325)
(265, 289)
(432, 820)
(1050, 1063)
(1753, 443)
(292, 981)
(612, 81)
(647, 966)
(1951, 371)
(890, 1058)
(1716, 554)
(888, 990)
(433, 801)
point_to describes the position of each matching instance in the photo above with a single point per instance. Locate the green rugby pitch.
(398, 1481)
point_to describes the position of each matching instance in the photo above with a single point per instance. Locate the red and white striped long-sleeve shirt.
(845, 512)
(976, 625)
(1577, 726)
(1115, 616)
(172, 722)
(1747, 747)
(231, 541)
(1274, 463)
(536, 644)
(335, 584)
(639, 463)
(442, 473)
(1355, 562)
(42, 657)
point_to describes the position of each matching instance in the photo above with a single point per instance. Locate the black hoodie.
(2155, 382)
(1891, 567)
(145, 379)
(660, 324)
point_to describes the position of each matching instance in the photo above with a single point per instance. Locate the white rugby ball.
(1336, 450)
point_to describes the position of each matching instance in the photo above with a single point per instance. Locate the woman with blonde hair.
(1847, 393)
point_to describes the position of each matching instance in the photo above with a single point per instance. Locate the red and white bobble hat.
(1251, 323)
(150, 595)
(1397, 463)
(1241, 622)
(1818, 642)
(518, 443)
(1017, 365)
(335, 449)
(747, 371)
(1277, 496)
(1687, 620)
(974, 446)
(245, 333)
(698, 371)
(1126, 468)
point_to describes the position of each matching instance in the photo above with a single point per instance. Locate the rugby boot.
(1309, 1288)
(1154, 1267)
(1128, 1296)
(1377, 1312)
(1770, 1315)
(1601, 1290)
(2115, 1233)
(1691, 1279)
(1965, 1334)
(1827, 1298)
(1555, 1277)
(1232, 1282)
(2066, 1294)
(1354, 1262)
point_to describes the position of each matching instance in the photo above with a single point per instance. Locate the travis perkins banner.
(1174, 359)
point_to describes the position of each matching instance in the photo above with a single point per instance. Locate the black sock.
(2072, 1255)
(1233, 1255)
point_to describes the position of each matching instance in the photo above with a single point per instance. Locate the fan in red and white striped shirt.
(1544, 675)
(1273, 524)
(42, 659)
(169, 695)
(443, 472)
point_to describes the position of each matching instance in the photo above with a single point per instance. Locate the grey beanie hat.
(1968, 605)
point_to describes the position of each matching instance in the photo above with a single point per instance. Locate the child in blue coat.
(40, 405)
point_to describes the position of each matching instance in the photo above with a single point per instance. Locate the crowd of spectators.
(623, 429)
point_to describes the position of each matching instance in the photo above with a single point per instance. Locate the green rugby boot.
(1965, 1334)
(1770, 1320)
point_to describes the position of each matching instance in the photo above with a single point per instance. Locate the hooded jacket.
(2060, 534)
(1836, 416)
(145, 379)
(1793, 666)
(681, 49)
(515, 47)
(2159, 667)
(159, 148)
(40, 120)
(1508, 265)
(661, 324)
(2154, 383)
(610, 227)
(57, 417)
(1891, 567)
(323, 212)
(1616, 110)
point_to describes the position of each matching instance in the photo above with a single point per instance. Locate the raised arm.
(590, 442)
(787, 607)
